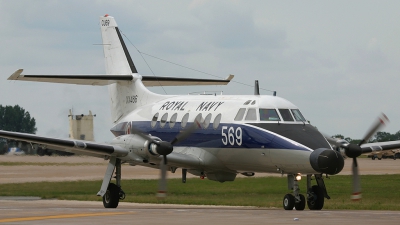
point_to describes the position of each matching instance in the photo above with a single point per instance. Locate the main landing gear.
(111, 192)
(315, 193)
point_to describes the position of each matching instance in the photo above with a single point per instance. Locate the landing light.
(298, 177)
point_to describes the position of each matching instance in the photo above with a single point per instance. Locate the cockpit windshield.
(285, 113)
(298, 116)
(269, 115)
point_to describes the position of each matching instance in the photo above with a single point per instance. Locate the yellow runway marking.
(8, 220)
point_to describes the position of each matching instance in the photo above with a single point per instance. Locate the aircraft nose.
(327, 161)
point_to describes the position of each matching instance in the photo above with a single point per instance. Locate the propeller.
(164, 148)
(355, 150)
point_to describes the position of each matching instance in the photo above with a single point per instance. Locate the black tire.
(288, 202)
(316, 200)
(111, 197)
(379, 158)
(302, 204)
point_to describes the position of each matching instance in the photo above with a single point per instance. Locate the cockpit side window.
(240, 114)
(298, 116)
(285, 113)
(251, 114)
(269, 115)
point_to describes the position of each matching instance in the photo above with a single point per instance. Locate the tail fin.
(125, 96)
(118, 60)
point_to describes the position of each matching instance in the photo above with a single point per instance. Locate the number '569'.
(231, 135)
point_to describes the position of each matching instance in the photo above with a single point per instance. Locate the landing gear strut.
(315, 194)
(113, 193)
(296, 200)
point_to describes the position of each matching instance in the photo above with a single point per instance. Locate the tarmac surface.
(74, 212)
(32, 210)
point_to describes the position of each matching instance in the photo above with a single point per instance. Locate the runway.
(33, 211)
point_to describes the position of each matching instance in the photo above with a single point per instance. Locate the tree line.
(378, 137)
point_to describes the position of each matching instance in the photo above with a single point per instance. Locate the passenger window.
(240, 114)
(184, 120)
(298, 116)
(285, 113)
(216, 122)
(247, 102)
(251, 114)
(163, 120)
(172, 121)
(206, 122)
(154, 120)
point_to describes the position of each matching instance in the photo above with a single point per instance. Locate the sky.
(338, 61)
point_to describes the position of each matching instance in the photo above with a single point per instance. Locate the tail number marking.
(105, 23)
(231, 136)
(131, 99)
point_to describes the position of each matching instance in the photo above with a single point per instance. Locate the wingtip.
(230, 77)
(15, 75)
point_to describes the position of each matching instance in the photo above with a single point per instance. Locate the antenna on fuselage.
(256, 88)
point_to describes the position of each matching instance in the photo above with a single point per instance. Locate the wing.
(101, 80)
(68, 145)
(380, 146)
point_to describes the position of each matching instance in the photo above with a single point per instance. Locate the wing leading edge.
(68, 145)
(101, 80)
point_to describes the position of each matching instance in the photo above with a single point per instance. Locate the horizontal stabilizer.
(101, 80)
(151, 81)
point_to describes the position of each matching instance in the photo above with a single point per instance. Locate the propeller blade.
(379, 124)
(162, 184)
(356, 181)
(185, 133)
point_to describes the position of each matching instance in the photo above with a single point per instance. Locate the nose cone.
(326, 161)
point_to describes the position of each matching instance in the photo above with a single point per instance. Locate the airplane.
(211, 136)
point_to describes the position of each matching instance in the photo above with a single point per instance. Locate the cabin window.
(207, 120)
(298, 116)
(172, 121)
(240, 114)
(269, 115)
(285, 113)
(184, 120)
(251, 114)
(163, 120)
(216, 122)
(247, 102)
(199, 118)
(154, 120)
(253, 102)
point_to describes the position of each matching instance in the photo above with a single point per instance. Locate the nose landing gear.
(315, 194)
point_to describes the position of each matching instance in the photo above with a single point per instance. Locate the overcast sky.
(338, 61)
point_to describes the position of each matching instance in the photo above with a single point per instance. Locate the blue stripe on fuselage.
(251, 137)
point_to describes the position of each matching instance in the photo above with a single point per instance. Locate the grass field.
(380, 192)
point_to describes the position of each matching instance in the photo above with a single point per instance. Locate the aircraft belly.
(265, 160)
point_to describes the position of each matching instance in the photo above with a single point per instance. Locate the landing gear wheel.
(315, 199)
(302, 204)
(288, 202)
(121, 195)
(111, 197)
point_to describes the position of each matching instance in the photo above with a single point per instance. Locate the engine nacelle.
(327, 161)
(136, 144)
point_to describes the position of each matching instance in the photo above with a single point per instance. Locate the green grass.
(380, 192)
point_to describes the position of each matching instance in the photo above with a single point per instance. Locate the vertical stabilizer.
(125, 96)
(118, 60)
